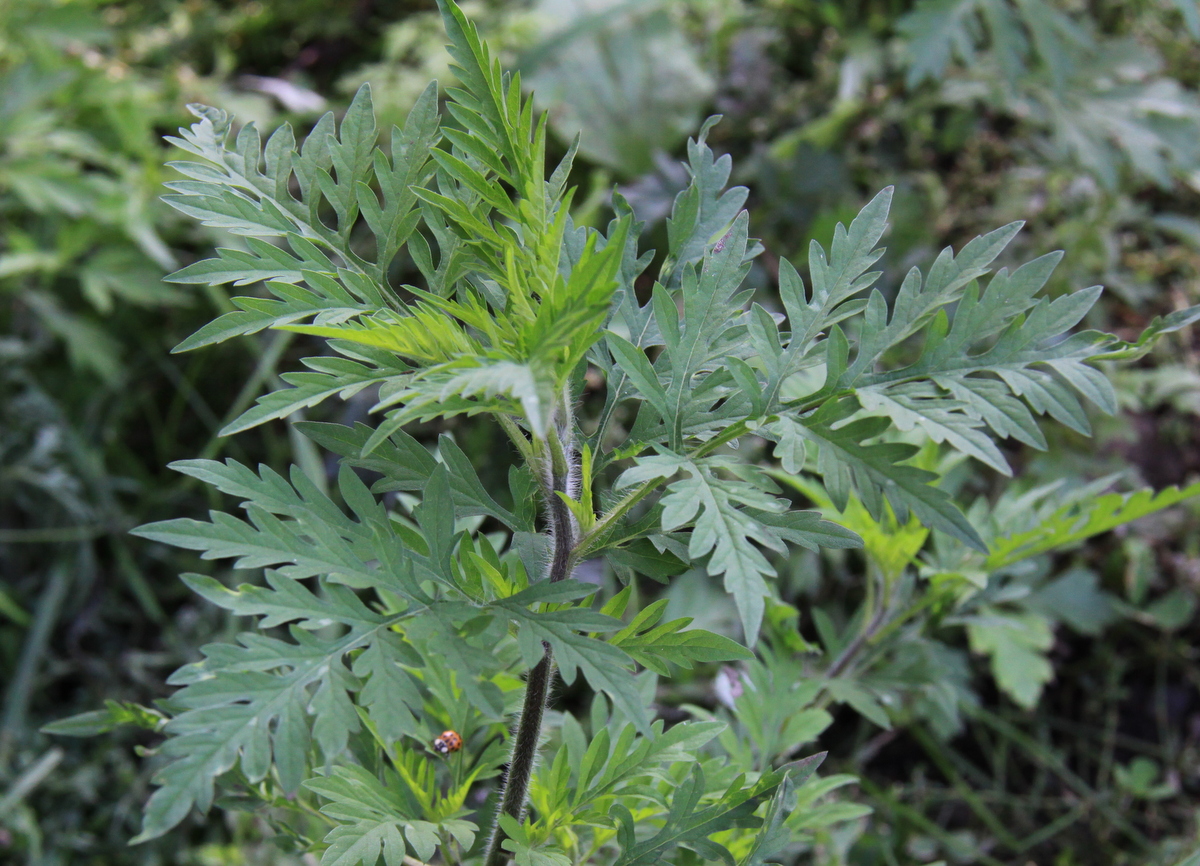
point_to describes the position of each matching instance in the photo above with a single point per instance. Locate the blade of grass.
(51, 534)
(20, 687)
(1052, 829)
(936, 752)
(954, 844)
(1052, 763)
(264, 372)
(33, 776)
(14, 611)
(136, 580)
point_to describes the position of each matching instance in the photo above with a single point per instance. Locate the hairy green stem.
(521, 764)
(524, 755)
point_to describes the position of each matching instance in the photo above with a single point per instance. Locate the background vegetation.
(1081, 117)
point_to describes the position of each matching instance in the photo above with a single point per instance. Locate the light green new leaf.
(1119, 350)
(1078, 520)
(891, 545)
(1016, 645)
(114, 714)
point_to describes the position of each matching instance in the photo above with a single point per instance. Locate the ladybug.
(447, 742)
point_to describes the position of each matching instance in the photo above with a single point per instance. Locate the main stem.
(560, 461)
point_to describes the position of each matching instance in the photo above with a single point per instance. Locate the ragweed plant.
(416, 603)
